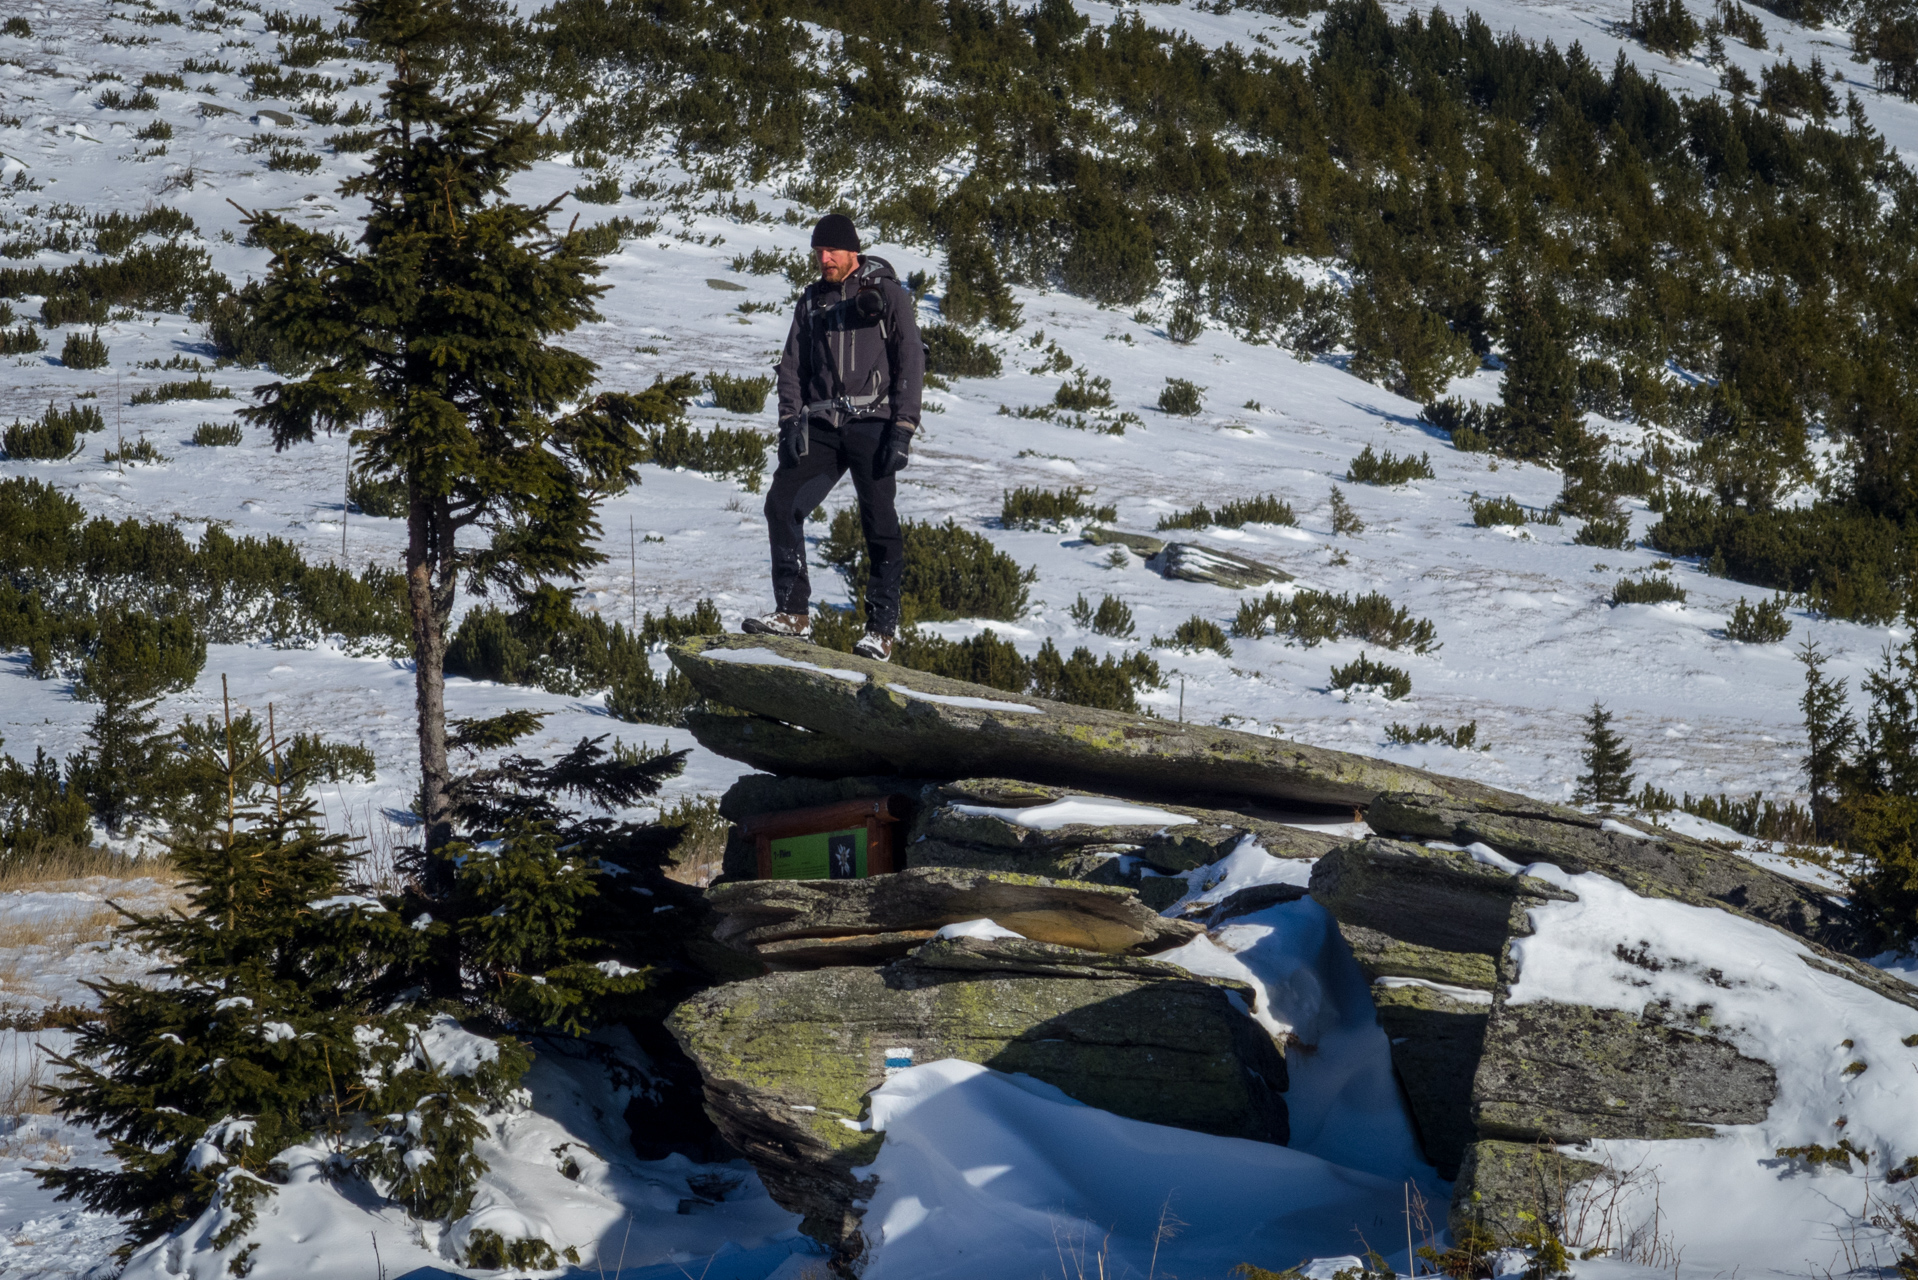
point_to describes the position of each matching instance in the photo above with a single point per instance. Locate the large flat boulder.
(799, 923)
(789, 1058)
(1648, 861)
(883, 718)
(1564, 1073)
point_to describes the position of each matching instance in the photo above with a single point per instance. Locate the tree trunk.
(430, 686)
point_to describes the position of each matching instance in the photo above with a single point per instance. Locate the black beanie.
(835, 231)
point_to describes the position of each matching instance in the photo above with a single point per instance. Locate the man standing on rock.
(849, 386)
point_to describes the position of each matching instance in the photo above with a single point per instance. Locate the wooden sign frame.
(875, 813)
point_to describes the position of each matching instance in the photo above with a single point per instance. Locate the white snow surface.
(1080, 810)
(1003, 1167)
(985, 929)
(966, 701)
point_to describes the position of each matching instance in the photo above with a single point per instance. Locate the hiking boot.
(875, 646)
(779, 624)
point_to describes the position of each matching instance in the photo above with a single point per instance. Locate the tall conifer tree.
(1539, 419)
(433, 341)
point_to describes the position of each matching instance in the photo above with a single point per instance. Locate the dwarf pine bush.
(217, 434)
(1462, 738)
(1646, 590)
(1197, 633)
(1236, 514)
(1025, 508)
(1363, 674)
(725, 453)
(1112, 617)
(1762, 623)
(1308, 617)
(1386, 469)
(189, 389)
(739, 393)
(23, 341)
(951, 352)
(1083, 392)
(1490, 513)
(950, 572)
(84, 351)
(1181, 398)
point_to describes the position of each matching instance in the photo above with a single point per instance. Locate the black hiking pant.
(802, 483)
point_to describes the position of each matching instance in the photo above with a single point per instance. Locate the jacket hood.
(874, 269)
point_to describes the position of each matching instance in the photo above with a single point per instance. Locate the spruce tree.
(1607, 779)
(1878, 812)
(1538, 418)
(433, 339)
(1829, 734)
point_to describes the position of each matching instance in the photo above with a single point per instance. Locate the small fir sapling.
(1344, 519)
(1608, 778)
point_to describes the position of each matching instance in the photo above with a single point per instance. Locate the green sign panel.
(826, 855)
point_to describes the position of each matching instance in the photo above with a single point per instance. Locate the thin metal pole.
(346, 492)
(632, 559)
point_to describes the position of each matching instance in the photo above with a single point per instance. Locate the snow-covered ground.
(1529, 642)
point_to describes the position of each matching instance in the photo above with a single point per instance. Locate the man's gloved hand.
(895, 450)
(792, 441)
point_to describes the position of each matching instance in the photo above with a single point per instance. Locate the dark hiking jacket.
(846, 361)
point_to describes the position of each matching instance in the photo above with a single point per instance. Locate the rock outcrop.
(789, 1058)
(1428, 927)
(880, 718)
(1648, 861)
(1191, 562)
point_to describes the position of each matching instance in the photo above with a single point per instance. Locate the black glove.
(895, 450)
(792, 442)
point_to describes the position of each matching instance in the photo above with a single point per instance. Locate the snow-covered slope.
(1528, 638)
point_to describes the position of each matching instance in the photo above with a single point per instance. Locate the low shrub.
(1181, 398)
(84, 351)
(163, 80)
(1364, 674)
(1647, 590)
(17, 26)
(1184, 328)
(950, 572)
(604, 190)
(953, 353)
(45, 439)
(1108, 683)
(739, 394)
(726, 453)
(1491, 513)
(671, 628)
(1762, 623)
(549, 644)
(138, 100)
(155, 131)
(190, 389)
(1024, 508)
(1386, 469)
(1612, 533)
(1197, 633)
(237, 335)
(142, 452)
(72, 308)
(23, 341)
(59, 571)
(217, 434)
(1463, 738)
(1082, 393)
(292, 160)
(1310, 618)
(380, 497)
(797, 268)
(1112, 618)
(1843, 562)
(1265, 509)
